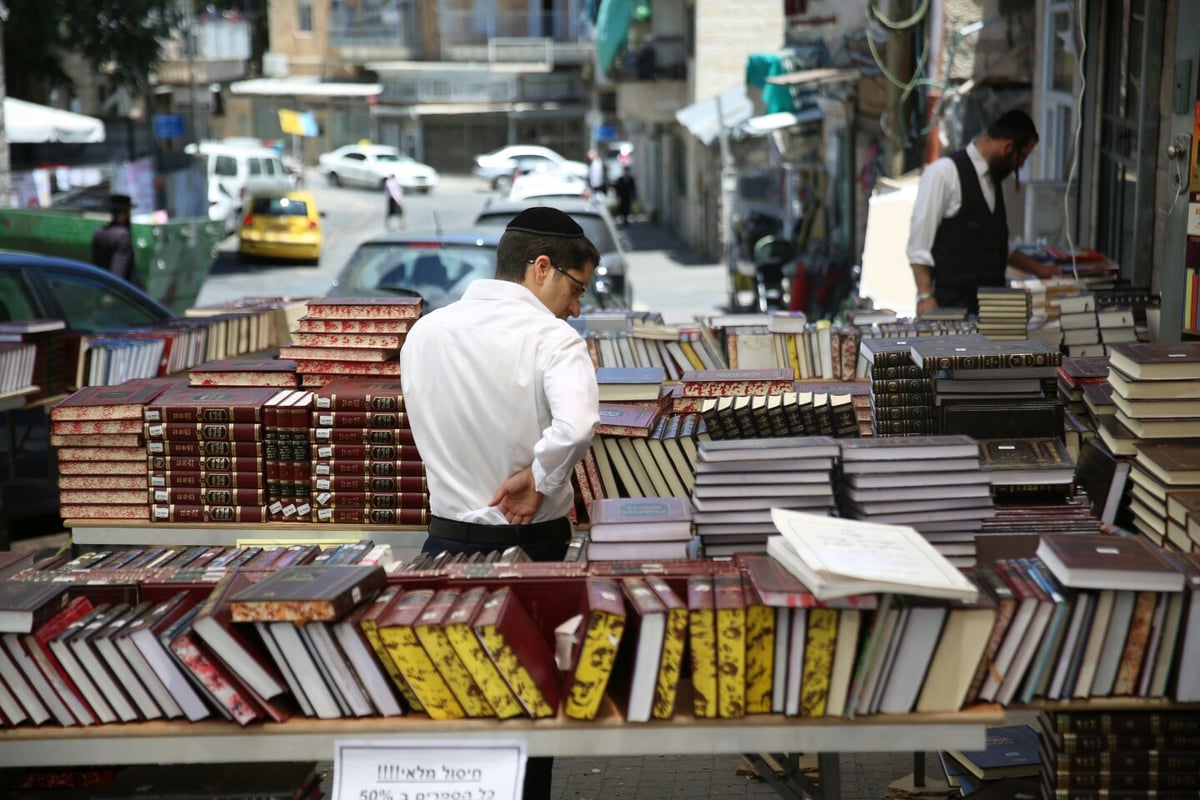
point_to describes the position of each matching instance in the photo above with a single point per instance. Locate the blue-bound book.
(1011, 752)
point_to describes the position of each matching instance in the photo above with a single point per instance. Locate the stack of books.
(1045, 296)
(1028, 467)
(48, 365)
(287, 455)
(112, 359)
(642, 449)
(1130, 752)
(1154, 388)
(991, 389)
(1160, 469)
(879, 480)
(205, 450)
(365, 466)
(639, 529)
(261, 322)
(802, 413)
(354, 337)
(16, 369)
(1183, 516)
(738, 481)
(100, 436)
(1004, 312)
(902, 395)
(1009, 766)
(1091, 323)
(1074, 373)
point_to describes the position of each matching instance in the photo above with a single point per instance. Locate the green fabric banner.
(612, 30)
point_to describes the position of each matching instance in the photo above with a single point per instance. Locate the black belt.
(552, 530)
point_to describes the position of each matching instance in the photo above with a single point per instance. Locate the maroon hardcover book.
(208, 513)
(364, 308)
(322, 418)
(206, 448)
(377, 369)
(221, 687)
(324, 499)
(408, 464)
(505, 627)
(200, 478)
(95, 426)
(728, 382)
(371, 483)
(216, 404)
(360, 394)
(231, 643)
(206, 463)
(126, 401)
(207, 495)
(364, 452)
(204, 431)
(627, 419)
(398, 437)
(391, 341)
(372, 516)
(1104, 561)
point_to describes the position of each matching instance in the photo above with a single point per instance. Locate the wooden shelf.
(304, 738)
(405, 540)
(1109, 704)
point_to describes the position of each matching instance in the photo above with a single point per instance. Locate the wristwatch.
(922, 296)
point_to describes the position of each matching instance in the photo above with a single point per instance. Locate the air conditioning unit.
(275, 65)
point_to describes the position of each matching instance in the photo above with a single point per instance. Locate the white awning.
(703, 121)
(30, 123)
(769, 123)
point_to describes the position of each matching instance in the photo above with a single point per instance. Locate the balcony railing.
(388, 26)
(459, 27)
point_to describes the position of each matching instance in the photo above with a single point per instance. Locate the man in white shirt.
(501, 394)
(597, 173)
(958, 236)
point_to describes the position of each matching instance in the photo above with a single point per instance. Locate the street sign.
(169, 126)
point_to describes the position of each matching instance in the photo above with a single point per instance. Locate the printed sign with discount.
(448, 770)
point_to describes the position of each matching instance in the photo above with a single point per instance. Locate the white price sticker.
(449, 770)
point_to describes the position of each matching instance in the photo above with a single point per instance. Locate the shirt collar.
(493, 289)
(981, 165)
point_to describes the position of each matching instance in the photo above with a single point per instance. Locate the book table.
(301, 739)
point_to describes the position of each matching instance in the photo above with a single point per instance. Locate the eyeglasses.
(580, 287)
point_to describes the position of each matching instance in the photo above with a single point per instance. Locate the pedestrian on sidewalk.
(597, 175)
(626, 191)
(395, 203)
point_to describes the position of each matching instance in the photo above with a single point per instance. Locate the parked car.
(499, 166)
(223, 207)
(87, 298)
(372, 164)
(610, 284)
(547, 183)
(281, 226)
(435, 266)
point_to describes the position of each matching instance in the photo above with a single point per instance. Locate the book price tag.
(448, 770)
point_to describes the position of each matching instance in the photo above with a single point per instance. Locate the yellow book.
(793, 356)
(514, 644)
(760, 651)
(604, 622)
(670, 667)
(445, 659)
(702, 645)
(469, 649)
(367, 623)
(730, 604)
(818, 661)
(397, 630)
(692, 357)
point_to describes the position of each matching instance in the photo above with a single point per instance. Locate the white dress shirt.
(492, 384)
(939, 196)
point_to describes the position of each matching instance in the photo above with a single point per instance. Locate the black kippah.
(545, 221)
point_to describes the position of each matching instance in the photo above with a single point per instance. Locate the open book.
(837, 557)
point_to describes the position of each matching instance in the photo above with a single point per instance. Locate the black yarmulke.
(545, 221)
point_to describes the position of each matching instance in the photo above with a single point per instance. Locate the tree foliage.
(122, 39)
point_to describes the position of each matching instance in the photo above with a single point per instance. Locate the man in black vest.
(112, 245)
(958, 237)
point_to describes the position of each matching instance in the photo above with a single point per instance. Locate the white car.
(548, 183)
(223, 208)
(372, 164)
(498, 168)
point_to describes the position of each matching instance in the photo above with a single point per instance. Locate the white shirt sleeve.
(935, 194)
(570, 386)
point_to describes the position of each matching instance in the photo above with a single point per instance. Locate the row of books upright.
(32, 356)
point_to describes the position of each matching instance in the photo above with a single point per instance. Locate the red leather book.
(728, 382)
(520, 652)
(125, 401)
(353, 355)
(305, 593)
(38, 647)
(206, 463)
(97, 440)
(372, 516)
(353, 368)
(360, 394)
(193, 447)
(232, 644)
(205, 431)
(409, 464)
(197, 479)
(95, 426)
(91, 454)
(217, 404)
(244, 372)
(364, 308)
(103, 481)
(376, 500)
(219, 685)
(340, 437)
(208, 513)
(176, 495)
(371, 483)
(358, 419)
(348, 340)
(312, 324)
(362, 451)
(69, 497)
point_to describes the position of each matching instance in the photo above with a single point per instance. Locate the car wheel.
(334, 179)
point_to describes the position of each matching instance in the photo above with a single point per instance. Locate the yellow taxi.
(283, 225)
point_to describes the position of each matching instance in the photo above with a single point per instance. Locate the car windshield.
(439, 275)
(279, 207)
(593, 226)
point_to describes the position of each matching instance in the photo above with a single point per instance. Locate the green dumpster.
(172, 259)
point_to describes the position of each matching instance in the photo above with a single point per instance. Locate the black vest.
(970, 248)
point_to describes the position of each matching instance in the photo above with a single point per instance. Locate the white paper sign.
(447, 770)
